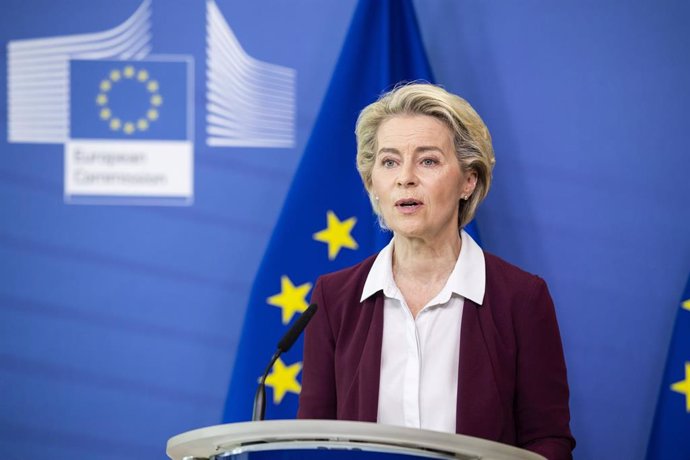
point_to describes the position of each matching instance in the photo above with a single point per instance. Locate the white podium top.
(333, 434)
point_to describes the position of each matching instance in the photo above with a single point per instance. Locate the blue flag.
(129, 99)
(670, 439)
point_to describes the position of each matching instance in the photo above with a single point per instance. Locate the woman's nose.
(407, 175)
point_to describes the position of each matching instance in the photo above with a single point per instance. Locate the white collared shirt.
(419, 357)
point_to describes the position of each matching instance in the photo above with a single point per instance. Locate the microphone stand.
(284, 345)
(260, 396)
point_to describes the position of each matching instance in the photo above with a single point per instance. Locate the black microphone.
(284, 345)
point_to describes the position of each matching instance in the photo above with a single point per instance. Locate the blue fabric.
(670, 438)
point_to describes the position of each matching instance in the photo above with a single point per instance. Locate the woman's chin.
(408, 231)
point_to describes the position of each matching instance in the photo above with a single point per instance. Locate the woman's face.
(417, 177)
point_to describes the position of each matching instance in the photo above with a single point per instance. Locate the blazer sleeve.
(541, 404)
(318, 398)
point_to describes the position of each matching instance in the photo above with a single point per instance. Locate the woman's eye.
(388, 163)
(429, 162)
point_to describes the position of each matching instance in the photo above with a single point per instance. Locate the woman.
(433, 332)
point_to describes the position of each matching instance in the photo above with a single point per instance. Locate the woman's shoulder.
(514, 291)
(342, 289)
(502, 273)
(353, 272)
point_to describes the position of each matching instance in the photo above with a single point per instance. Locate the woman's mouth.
(408, 205)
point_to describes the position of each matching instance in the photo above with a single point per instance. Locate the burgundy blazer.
(512, 383)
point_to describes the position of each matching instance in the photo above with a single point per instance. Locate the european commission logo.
(130, 130)
(125, 116)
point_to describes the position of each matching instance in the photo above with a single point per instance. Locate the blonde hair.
(470, 136)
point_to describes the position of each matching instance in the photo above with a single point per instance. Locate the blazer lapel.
(479, 410)
(370, 365)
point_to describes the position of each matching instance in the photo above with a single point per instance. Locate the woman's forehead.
(416, 131)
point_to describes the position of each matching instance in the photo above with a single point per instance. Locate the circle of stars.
(128, 126)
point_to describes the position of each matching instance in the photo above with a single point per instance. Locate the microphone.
(283, 346)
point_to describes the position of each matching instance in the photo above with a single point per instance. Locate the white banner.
(129, 169)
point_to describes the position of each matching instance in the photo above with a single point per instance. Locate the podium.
(332, 440)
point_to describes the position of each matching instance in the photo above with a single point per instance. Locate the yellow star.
(337, 234)
(284, 379)
(291, 299)
(152, 86)
(686, 304)
(683, 387)
(128, 71)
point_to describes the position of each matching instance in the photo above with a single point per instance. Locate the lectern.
(332, 440)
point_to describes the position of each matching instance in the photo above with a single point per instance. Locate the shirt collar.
(380, 277)
(467, 279)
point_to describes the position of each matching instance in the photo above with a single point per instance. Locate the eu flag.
(112, 99)
(670, 439)
(326, 222)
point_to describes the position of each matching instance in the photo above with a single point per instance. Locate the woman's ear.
(469, 184)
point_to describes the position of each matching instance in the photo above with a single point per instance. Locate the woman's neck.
(423, 260)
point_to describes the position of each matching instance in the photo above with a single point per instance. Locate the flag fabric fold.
(326, 222)
(670, 437)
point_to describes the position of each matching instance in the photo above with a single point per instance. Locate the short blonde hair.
(470, 136)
